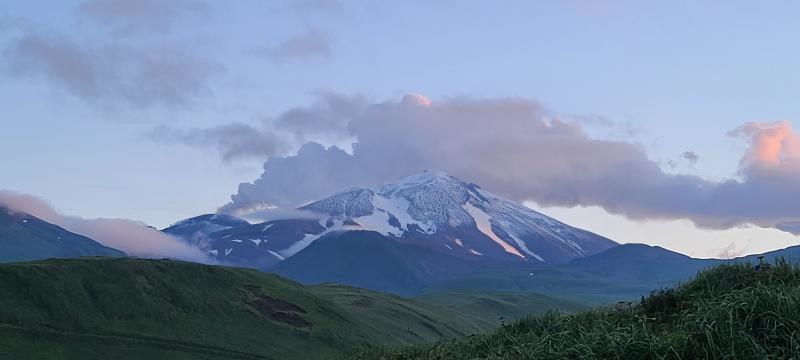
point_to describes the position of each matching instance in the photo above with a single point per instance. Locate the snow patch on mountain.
(300, 245)
(437, 206)
(279, 256)
(483, 222)
(398, 207)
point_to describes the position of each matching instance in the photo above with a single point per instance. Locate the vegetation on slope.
(491, 309)
(728, 312)
(25, 237)
(101, 308)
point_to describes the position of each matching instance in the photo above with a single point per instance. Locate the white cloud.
(132, 237)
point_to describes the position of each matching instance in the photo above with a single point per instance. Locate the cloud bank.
(326, 119)
(110, 73)
(119, 63)
(133, 238)
(515, 148)
(232, 141)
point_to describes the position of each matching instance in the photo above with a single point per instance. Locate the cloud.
(132, 237)
(311, 43)
(126, 17)
(108, 70)
(232, 141)
(329, 116)
(773, 147)
(690, 156)
(110, 73)
(326, 119)
(515, 148)
(314, 172)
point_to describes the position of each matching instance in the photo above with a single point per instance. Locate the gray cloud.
(107, 70)
(232, 141)
(513, 147)
(327, 118)
(110, 73)
(126, 17)
(132, 237)
(690, 156)
(306, 180)
(311, 43)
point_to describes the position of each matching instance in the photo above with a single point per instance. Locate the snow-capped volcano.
(196, 230)
(446, 214)
(431, 211)
(235, 241)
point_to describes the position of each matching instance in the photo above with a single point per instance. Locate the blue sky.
(669, 77)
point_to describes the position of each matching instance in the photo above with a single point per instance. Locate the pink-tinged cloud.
(416, 100)
(133, 238)
(771, 144)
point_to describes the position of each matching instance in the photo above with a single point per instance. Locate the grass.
(728, 312)
(491, 309)
(104, 308)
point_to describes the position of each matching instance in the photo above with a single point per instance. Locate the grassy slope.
(727, 312)
(93, 308)
(492, 308)
(24, 237)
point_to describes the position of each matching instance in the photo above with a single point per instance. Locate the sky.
(667, 123)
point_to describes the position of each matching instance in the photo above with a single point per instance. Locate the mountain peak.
(435, 209)
(218, 219)
(429, 181)
(423, 177)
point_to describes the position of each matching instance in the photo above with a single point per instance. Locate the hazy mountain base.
(625, 272)
(97, 308)
(728, 312)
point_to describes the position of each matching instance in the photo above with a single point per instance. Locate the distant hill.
(623, 272)
(26, 237)
(101, 308)
(791, 253)
(638, 262)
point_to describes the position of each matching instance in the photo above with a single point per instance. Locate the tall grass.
(728, 312)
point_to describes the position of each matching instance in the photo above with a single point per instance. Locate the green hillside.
(728, 312)
(25, 237)
(101, 308)
(490, 309)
